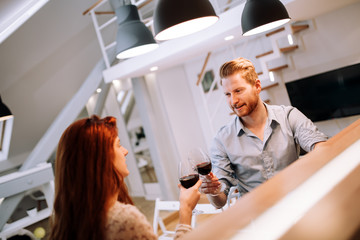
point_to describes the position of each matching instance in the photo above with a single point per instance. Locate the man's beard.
(247, 108)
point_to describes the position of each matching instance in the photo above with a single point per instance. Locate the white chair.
(169, 206)
(158, 221)
(234, 194)
(204, 208)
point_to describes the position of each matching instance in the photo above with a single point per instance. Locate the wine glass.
(188, 174)
(201, 160)
(188, 177)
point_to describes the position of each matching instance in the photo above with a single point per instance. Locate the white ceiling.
(44, 62)
(179, 50)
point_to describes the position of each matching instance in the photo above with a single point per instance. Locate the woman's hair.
(239, 65)
(85, 179)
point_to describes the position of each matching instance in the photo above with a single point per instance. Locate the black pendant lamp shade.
(262, 15)
(4, 110)
(178, 18)
(133, 37)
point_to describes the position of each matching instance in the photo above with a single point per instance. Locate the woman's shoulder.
(125, 221)
(125, 212)
(122, 207)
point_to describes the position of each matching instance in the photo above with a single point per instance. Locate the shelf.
(143, 145)
(13, 227)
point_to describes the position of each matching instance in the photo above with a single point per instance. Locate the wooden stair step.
(278, 68)
(275, 31)
(104, 12)
(288, 49)
(259, 73)
(295, 29)
(298, 28)
(264, 54)
(270, 86)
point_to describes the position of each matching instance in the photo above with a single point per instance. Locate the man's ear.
(257, 85)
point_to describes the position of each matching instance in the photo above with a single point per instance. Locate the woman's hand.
(189, 197)
(188, 200)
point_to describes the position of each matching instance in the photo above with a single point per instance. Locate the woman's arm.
(188, 200)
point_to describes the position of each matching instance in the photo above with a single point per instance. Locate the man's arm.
(318, 144)
(305, 131)
(214, 190)
(217, 201)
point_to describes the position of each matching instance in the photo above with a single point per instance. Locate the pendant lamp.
(178, 18)
(133, 37)
(262, 15)
(5, 112)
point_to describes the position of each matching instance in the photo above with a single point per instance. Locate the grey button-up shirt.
(241, 158)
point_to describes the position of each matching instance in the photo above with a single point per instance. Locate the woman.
(91, 198)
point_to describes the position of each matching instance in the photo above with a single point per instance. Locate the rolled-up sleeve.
(305, 132)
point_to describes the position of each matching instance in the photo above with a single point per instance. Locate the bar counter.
(307, 200)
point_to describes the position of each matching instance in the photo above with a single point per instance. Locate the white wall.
(181, 112)
(331, 42)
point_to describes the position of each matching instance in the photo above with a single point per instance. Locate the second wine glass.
(201, 160)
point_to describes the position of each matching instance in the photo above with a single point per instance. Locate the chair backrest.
(234, 194)
(204, 208)
(158, 221)
(201, 208)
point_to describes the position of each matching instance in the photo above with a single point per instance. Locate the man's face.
(240, 95)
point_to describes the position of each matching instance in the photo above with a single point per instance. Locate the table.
(307, 200)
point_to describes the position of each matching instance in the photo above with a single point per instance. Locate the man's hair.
(239, 65)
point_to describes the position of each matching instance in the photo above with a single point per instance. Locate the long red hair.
(86, 179)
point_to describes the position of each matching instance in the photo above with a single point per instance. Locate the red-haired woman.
(91, 198)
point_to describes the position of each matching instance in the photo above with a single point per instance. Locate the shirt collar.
(271, 115)
(271, 118)
(239, 126)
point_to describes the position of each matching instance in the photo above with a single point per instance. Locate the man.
(259, 142)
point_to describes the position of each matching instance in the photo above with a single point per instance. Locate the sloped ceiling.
(42, 65)
(13, 13)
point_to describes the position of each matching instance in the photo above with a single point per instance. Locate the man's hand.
(210, 184)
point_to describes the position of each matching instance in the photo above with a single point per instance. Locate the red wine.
(189, 181)
(204, 168)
